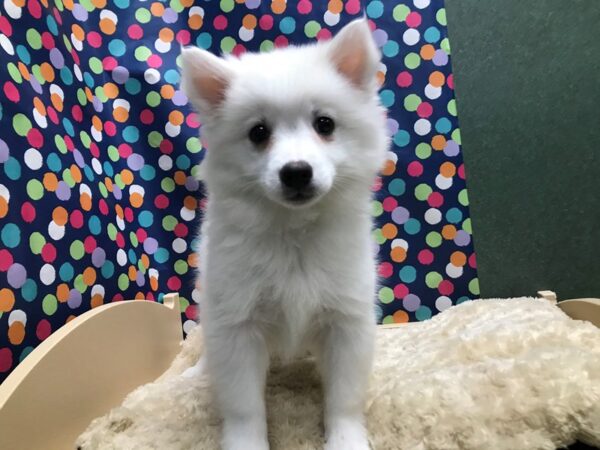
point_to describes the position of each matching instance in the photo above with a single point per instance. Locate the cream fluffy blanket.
(495, 374)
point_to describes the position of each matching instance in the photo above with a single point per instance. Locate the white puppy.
(294, 138)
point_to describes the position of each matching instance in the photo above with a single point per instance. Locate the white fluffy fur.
(278, 278)
(492, 374)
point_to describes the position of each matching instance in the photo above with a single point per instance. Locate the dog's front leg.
(237, 362)
(345, 361)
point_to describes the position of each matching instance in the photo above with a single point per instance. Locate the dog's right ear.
(205, 78)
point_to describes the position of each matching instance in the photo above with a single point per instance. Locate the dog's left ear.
(355, 55)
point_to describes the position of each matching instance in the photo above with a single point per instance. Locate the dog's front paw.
(346, 434)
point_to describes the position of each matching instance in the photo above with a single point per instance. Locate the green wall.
(527, 78)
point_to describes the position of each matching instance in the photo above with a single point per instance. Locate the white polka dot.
(152, 76)
(411, 36)
(330, 18)
(4, 193)
(422, 127)
(77, 72)
(85, 189)
(47, 274)
(172, 130)
(33, 159)
(17, 316)
(13, 11)
(56, 89)
(189, 325)
(77, 44)
(392, 156)
(433, 216)
(442, 303)
(165, 162)
(196, 10)
(40, 119)
(153, 273)
(97, 135)
(121, 103)
(96, 166)
(162, 46)
(421, 4)
(196, 295)
(187, 214)
(246, 34)
(442, 182)
(108, 14)
(120, 223)
(179, 245)
(136, 189)
(453, 271)
(6, 44)
(98, 289)
(400, 243)
(121, 257)
(432, 92)
(56, 232)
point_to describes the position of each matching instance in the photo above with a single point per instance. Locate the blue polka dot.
(132, 256)
(172, 76)
(402, 138)
(89, 173)
(287, 25)
(29, 290)
(131, 134)
(12, 169)
(53, 162)
(454, 215)
(26, 351)
(51, 24)
(423, 313)
(108, 269)
(66, 76)
(11, 235)
(412, 226)
(375, 9)
(95, 225)
(387, 97)
(146, 219)
(183, 162)
(68, 126)
(66, 272)
(117, 47)
(462, 300)
(88, 79)
(133, 86)
(408, 274)
(148, 173)
(397, 187)
(108, 169)
(443, 125)
(432, 35)
(121, 4)
(390, 49)
(204, 40)
(161, 255)
(23, 54)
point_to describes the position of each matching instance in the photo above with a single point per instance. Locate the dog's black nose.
(296, 175)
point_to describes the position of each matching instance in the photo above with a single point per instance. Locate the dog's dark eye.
(324, 125)
(259, 133)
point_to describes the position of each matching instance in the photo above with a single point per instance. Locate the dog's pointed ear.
(205, 78)
(355, 55)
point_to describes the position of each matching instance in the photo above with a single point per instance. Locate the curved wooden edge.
(86, 367)
(582, 309)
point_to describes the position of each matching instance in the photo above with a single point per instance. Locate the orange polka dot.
(99, 3)
(145, 260)
(153, 283)
(60, 216)
(120, 114)
(136, 200)
(111, 90)
(109, 184)
(389, 231)
(448, 169)
(176, 117)
(107, 26)
(190, 202)
(71, 317)
(380, 76)
(96, 301)
(458, 259)
(400, 317)
(47, 72)
(127, 176)
(24, 71)
(187, 3)
(119, 211)
(50, 182)
(89, 276)
(57, 102)
(192, 260)
(97, 123)
(389, 167)
(7, 300)
(88, 94)
(75, 173)
(167, 91)
(278, 6)
(68, 4)
(132, 273)
(16, 333)
(398, 254)
(438, 142)
(335, 6)
(39, 106)
(437, 79)
(166, 34)
(427, 52)
(62, 292)
(249, 21)
(449, 231)
(85, 201)
(140, 296)
(78, 32)
(195, 22)
(19, 3)
(157, 9)
(180, 178)
(44, 3)
(3, 207)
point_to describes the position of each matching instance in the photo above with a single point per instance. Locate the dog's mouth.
(298, 198)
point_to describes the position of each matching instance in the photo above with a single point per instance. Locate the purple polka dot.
(392, 127)
(56, 58)
(150, 245)
(74, 300)
(120, 74)
(411, 302)
(451, 148)
(169, 16)
(35, 85)
(79, 12)
(380, 37)
(98, 106)
(16, 275)
(63, 191)
(4, 153)
(135, 161)
(192, 184)
(98, 257)
(139, 279)
(440, 57)
(400, 215)
(252, 4)
(117, 192)
(462, 238)
(78, 158)
(179, 98)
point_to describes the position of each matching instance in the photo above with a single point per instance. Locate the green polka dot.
(133, 239)
(433, 239)
(34, 39)
(35, 189)
(193, 145)
(387, 320)
(10, 235)
(167, 184)
(169, 223)
(377, 208)
(142, 15)
(154, 139)
(113, 153)
(36, 242)
(101, 94)
(227, 44)
(80, 284)
(386, 295)
(21, 124)
(452, 107)
(441, 16)
(467, 226)
(102, 189)
(445, 45)
(411, 102)
(14, 73)
(463, 197)
(87, 4)
(86, 140)
(60, 144)
(400, 12)
(226, 5)
(266, 45)
(181, 267)
(412, 60)
(456, 136)
(183, 304)
(95, 65)
(67, 42)
(423, 191)
(142, 53)
(81, 97)
(474, 286)
(153, 99)
(423, 150)
(312, 28)
(378, 236)
(123, 282)
(433, 280)
(35, 70)
(176, 6)
(119, 181)
(111, 230)
(49, 304)
(68, 177)
(76, 250)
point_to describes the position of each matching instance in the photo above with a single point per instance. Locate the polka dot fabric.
(98, 151)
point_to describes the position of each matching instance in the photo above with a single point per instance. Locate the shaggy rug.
(495, 374)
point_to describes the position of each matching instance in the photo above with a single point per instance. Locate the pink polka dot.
(69, 143)
(35, 9)
(6, 260)
(43, 329)
(377, 185)
(238, 50)
(124, 150)
(147, 117)
(181, 230)
(401, 291)
(450, 81)
(404, 79)
(304, 7)
(103, 207)
(28, 212)
(323, 34)
(281, 41)
(117, 298)
(461, 171)
(94, 150)
(5, 26)
(192, 120)
(35, 138)
(89, 244)
(77, 113)
(166, 147)
(220, 22)
(174, 283)
(76, 219)
(446, 287)
(425, 257)
(415, 169)
(128, 212)
(413, 20)
(353, 6)
(473, 261)
(183, 37)
(94, 39)
(52, 115)
(135, 32)
(154, 61)
(265, 22)
(48, 252)
(389, 204)
(6, 359)
(386, 269)
(11, 92)
(141, 235)
(75, 56)
(120, 240)
(110, 128)
(424, 109)
(161, 201)
(48, 41)
(435, 199)
(109, 63)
